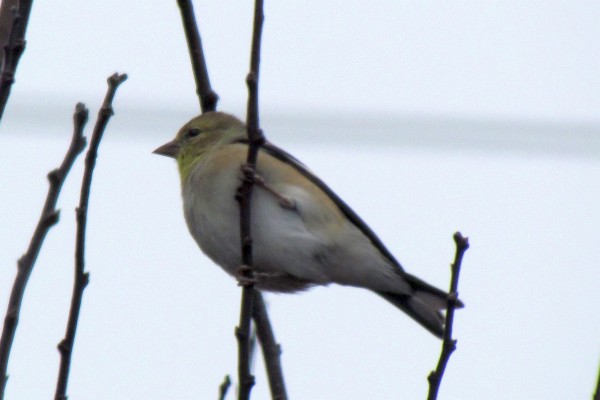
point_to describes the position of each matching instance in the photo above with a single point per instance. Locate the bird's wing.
(287, 158)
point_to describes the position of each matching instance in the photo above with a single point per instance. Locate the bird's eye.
(193, 132)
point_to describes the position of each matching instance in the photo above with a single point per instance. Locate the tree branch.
(6, 22)
(208, 101)
(65, 347)
(48, 218)
(224, 387)
(207, 96)
(14, 48)
(242, 333)
(244, 196)
(270, 348)
(448, 344)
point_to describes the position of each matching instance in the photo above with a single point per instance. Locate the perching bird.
(303, 233)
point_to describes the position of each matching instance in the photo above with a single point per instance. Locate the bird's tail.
(424, 305)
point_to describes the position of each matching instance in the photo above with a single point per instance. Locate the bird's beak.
(169, 149)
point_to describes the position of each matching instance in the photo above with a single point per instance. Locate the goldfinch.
(303, 233)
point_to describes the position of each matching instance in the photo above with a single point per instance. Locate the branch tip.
(224, 387)
(81, 278)
(461, 242)
(116, 79)
(49, 217)
(448, 344)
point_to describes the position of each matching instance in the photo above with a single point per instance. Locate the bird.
(303, 234)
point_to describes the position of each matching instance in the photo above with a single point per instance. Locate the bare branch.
(65, 347)
(14, 47)
(244, 196)
(270, 348)
(242, 333)
(48, 218)
(208, 101)
(207, 96)
(224, 387)
(448, 344)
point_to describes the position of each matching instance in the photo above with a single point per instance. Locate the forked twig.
(448, 344)
(65, 347)
(48, 218)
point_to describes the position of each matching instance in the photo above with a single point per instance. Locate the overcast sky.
(509, 59)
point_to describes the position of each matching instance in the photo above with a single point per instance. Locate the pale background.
(426, 117)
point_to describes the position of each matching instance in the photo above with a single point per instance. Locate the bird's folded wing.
(287, 158)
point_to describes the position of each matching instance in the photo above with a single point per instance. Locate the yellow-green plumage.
(214, 130)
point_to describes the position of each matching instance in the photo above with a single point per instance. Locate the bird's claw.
(248, 173)
(287, 202)
(245, 277)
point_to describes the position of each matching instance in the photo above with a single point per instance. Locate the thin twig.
(224, 387)
(13, 50)
(270, 348)
(65, 347)
(48, 218)
(597, 393)
(244, 196)
(448, 344)
(207, 96)
(242, 333)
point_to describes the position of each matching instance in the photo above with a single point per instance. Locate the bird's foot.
(245, 276)
(247, 175)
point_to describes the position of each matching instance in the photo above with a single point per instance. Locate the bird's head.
(201, 135)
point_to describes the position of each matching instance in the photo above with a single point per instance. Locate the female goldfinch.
(303, 233)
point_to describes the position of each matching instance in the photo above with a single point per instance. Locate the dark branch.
(597, 393)
(13, 49)
(224, 387)
(65, 347)
(6, 22)
(271, 349)
(207, 96)
(244, 196)
(448, 344)
(48, 218)
(242, 333)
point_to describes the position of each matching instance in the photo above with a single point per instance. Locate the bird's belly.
(286, 255)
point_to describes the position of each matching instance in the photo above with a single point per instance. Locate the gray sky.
(508, 59)
(158, 316)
